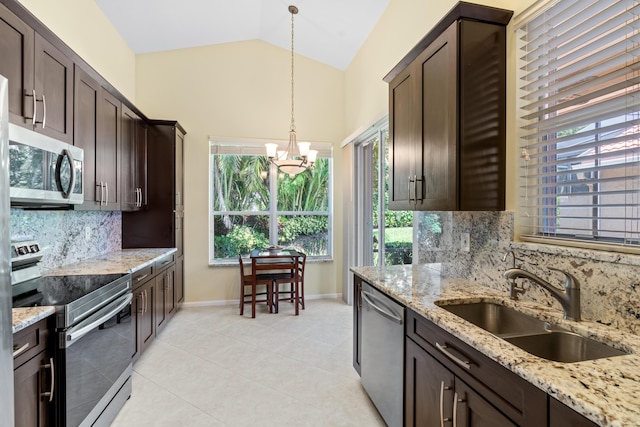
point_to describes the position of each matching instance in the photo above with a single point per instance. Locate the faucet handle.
(570, 281)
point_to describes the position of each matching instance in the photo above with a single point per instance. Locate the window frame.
(255, 147)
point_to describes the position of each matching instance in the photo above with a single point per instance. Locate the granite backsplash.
(610, 282)
(68, 236)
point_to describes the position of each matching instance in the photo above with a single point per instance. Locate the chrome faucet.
(569, 298)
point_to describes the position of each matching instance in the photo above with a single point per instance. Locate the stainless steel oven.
(94, 358)
(93, 336)
(43, 171)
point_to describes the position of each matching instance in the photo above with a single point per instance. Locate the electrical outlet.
(87, 233)
(465, 242)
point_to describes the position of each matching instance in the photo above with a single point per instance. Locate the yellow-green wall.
(241, 90)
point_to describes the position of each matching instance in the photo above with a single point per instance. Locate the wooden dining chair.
(295, 279)
(253, 279)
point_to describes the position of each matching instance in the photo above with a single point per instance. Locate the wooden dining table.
(278, 263)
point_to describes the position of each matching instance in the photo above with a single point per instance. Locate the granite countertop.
(24, 317)
(124, 261)
(603, 390)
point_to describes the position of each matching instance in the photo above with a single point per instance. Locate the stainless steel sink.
(564, 346)
(532, 335)
(498, 319)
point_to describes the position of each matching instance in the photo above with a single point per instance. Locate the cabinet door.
(146, 322)
(160, 298)
(179, 281)
(128, 157)
(30, 381)
(404, 136)
(357, 322)
(179, 196)
(17, 53)
(54, 87)
(428, 389)
(170, 292)
(561, 415)
(471, 410)
(86, 96)
(137, 310)
(438, 83)
(108, 151)
(140, 153)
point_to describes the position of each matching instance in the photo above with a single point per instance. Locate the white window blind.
(579, 121)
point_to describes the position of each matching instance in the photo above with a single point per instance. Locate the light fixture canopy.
(298, 156)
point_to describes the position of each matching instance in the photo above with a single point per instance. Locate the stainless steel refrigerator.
(6, 335)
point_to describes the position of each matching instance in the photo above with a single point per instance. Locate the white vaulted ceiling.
(329, 31)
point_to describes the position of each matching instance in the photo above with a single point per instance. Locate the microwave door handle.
(66, 154)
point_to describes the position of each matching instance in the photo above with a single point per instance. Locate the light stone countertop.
(124, 261)
(604, 390)
(24, 317)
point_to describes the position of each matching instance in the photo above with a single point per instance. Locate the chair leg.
(295, 296)
(270, 296)
(242, 300)
(301, 293)
(277, 296)
(253, 301)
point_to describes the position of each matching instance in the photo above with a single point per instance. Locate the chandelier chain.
(293, 123)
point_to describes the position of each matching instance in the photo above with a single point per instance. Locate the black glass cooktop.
(63, 290)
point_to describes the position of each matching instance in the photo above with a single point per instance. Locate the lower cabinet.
(435, 396)
(561, 415)
(142, 316)
(33, 376)
(165, 301)
(357, 322)
(156, 298)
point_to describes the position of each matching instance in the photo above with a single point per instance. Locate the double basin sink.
(532, 335)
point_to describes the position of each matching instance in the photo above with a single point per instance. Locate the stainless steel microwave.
(43, 171)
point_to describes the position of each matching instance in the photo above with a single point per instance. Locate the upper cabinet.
(97, 131)
(447, 115)
(134, 161)
(40, 79)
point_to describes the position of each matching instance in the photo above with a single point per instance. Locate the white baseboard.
(236, 302)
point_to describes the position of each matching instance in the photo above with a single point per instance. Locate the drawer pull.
(142, 277)
(49, 394)
(444, 350)
(442, 418)
(17, 352)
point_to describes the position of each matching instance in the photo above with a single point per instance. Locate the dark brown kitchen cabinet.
(357, 322)
(142, 312)
(484, 393)
(165, 301)
(134, 161)
(447, 115)
(33, 376)
(97, 129)
(561, 415)
(40, 79)
(161, 224)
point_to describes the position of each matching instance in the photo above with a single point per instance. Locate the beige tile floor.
(212, 367)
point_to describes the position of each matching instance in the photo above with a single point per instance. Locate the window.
(253, 205)
(385, 237)
(579, 110)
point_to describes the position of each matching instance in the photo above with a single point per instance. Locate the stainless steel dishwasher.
(383, 353)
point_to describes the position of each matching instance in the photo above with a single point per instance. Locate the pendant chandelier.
(297, 157)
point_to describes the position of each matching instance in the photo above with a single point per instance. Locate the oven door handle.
(87, 325)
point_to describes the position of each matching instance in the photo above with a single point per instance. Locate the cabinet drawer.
(139, 277)
(518, 399)
(165, 262)
(29, 342)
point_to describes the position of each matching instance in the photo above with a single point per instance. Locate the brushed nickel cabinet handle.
(456, 400)
(444, 350)
(142, 277)
(19, 351)
(442, 418)
(44, 114)
(49, 394)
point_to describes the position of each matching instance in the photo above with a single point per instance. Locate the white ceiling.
(329, 31)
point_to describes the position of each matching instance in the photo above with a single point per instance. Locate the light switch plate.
(465, 242)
